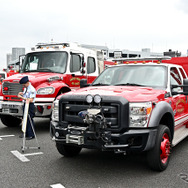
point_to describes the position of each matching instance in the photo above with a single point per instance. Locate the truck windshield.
(134, 75)
(45, 62)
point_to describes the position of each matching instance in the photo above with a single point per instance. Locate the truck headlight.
(45, 91)
(97, 99)
(89, 98)
(139, 114)
(55, 110)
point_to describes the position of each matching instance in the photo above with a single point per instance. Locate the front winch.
(97, 125)
(93, 117)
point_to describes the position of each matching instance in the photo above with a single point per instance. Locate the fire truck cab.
(130, 107)
(52, 69)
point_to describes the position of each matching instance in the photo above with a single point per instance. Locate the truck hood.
(131, 93)
(33, 77)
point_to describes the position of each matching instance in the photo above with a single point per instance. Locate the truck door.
(75, 67)
(179, 101)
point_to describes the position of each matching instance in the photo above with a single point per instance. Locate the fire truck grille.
(113, 110)
(10, 88)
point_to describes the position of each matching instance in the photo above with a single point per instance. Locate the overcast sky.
(124, 24)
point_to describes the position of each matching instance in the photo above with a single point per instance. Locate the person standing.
(29, 93)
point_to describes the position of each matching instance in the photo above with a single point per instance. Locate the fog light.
(89, 98)
(97, 99)
(56, 134)
(49, 107)
(5, 88)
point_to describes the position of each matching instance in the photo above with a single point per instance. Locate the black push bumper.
(133, 139)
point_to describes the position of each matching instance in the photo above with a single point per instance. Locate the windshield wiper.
(30, 71)
(100, 84)
(44, 70)
(129, 84)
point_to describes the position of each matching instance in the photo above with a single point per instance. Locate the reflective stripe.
(181, 117)
(181, 120)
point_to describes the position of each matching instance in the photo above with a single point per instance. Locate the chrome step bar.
(179, 135)
(116, 146)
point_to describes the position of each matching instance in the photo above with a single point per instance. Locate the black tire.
(68, 150)
(158, 158)
(10, 121)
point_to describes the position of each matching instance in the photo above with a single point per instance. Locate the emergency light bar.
(143, 59)
(52, 44)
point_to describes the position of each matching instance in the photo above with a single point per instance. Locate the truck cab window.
(75, 63)
(152, 76)
(32, 63)
(175, 79)
(45, 62)
(91, 66)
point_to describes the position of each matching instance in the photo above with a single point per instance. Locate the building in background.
(16, 52)
(104, 49)
(118, 53)
(145, 52)
(14, 57)
(172, 53)
(9, 58)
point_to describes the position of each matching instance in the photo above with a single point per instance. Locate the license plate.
(5, 110)
(9, 106)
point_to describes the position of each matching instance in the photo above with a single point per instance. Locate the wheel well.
(167, 120)
(63, 90)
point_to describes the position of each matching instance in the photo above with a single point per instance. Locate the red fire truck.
(11, 71)
(52, 69)
(130, 107)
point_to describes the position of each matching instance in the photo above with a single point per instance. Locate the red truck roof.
(183, 61)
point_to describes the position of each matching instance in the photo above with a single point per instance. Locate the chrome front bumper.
(43, 109)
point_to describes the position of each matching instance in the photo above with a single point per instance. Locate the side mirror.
(83, 83)
(21, 60)
(82, 59)
(82, 70)
(185, 88)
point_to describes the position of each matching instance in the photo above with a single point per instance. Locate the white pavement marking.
(57, 186)
(22, 157)
(5, 136)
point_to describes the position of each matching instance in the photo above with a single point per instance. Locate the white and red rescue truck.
(52, 69)
(130, 107)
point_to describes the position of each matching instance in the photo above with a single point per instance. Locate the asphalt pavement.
(46, 168)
